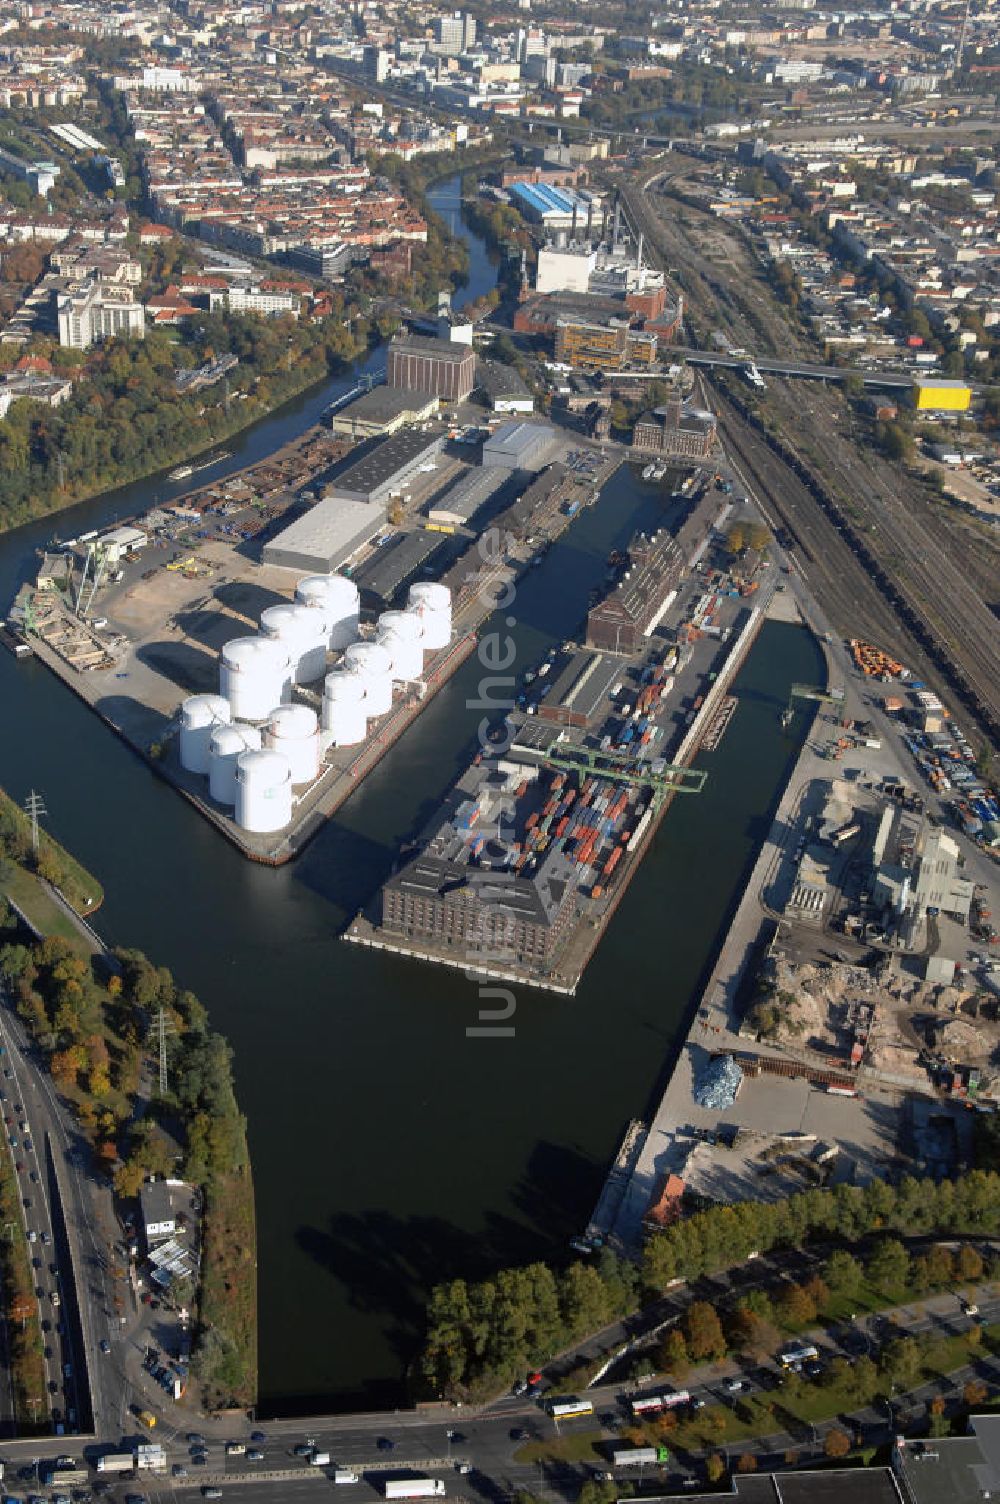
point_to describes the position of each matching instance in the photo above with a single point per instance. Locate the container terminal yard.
(519, 873)
(264, 641)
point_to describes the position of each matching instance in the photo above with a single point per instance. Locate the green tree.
(900, 1362)
(889, 1266)
(672, 1355)
(843, 1274)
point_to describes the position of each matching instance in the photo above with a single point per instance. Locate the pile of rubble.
(718, 1085)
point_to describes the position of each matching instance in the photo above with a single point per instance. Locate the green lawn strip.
(41, 909)
(228, 1293)
(79, 887)
(576, 1446)
(24, 1336)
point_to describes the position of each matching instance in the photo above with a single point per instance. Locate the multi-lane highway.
(68, 1224)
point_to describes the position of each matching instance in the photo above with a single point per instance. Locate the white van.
(320, 1459)
(345, 1475)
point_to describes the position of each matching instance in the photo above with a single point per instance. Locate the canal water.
(390, 1149)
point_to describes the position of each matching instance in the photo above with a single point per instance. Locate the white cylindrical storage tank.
(255, 674)
(406, 652)
(432, 603)
(338, 598)
(226, 745)
(344, 708)
(293, 730)
(303, 630)
(263, 791)
(406, 623)
(373, 665)
(200, 714)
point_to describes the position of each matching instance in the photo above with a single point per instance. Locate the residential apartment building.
(90, 312)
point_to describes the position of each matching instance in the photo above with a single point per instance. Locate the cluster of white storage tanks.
(255, 767)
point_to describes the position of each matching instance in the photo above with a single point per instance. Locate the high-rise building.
(455, 33)
(436, 366)
(91, 312)
(375, 62)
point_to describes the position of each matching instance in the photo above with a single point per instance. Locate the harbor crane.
(809, 692)
(669, 778)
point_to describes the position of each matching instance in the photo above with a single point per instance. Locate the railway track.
(872, 602)
(877, 568)
(932, 584)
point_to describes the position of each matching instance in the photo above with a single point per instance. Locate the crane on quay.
(809, 692)
(665, 778)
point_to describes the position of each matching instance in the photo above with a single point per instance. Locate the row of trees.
(725, 1235)
(480, 1337)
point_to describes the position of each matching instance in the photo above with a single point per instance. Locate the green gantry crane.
(809, 692)
(672, 778)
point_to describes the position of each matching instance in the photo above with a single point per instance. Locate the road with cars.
(475, 1453)
(67, 1243)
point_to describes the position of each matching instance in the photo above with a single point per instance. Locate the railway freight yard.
(519, 872)
(881, 554)
(264, 641)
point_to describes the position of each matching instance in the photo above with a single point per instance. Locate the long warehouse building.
(658, 563)
(326, 537)
(388, 464)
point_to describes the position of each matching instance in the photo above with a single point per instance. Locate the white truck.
(320, 1459)
(414, 1488)
(116, 1462)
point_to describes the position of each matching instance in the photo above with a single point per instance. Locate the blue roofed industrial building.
(554, 207)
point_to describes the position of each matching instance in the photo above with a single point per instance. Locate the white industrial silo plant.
(303, 631)
(344, 719)
(432, 603)
(401, 634)
(373, 665)
(200, 715)
(338, 599)
(255, 675)
(263, 791)
(293, 730)
(228, 743)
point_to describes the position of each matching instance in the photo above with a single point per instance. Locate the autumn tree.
(969, 1265)
(837, 1443)
(672, 1355)
(715, 1468)
(703, 1332)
